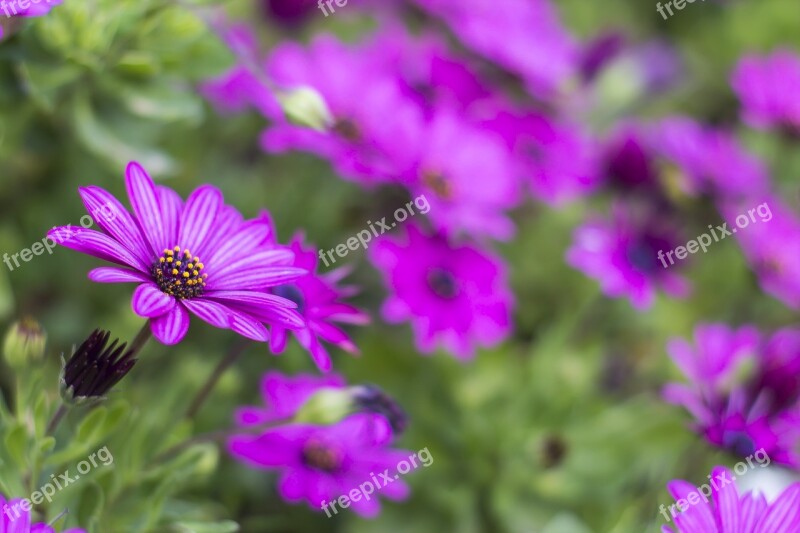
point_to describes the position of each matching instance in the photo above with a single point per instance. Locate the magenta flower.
(12, 9)
(197, 256)
(768, 88)
(284, 395)
(373, 120)
(710, 160)
(457, 297)
(318, 464)
(525, 37)
(625, 255)
(730, 512)
(559, 159)
(15, 519)
(771, 245)
(743, 391)
(318, 302)
(451, 167)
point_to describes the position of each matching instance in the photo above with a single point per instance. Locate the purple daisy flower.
(318, 302)
(454, 296)
(199, 256)
(284, 395)
(524, 37)
(559, 159)
(623, 254)
(768, 88)
(741, 388)
(318, 464)
(771, 246)
(730, 512)
(15, 519)
(12, 9)
(453, 161)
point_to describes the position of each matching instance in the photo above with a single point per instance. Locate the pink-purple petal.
(96, 244)
(198, 219)
(170, 328)
(116, 275)
(148, 301)
(215, 314)
(171, 208)
(110, 215)
(144, 199)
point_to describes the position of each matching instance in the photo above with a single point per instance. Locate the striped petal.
(215, 314)
(110, 215)
(148, 301)
(144, 199)
(116, 275)
(198, 218)
(96, 244)
(171, 208)
(170, 328)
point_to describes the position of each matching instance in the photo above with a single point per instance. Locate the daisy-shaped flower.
(318, 298)
(318, 464)
(198, 256)
(15, 519)
(727, 511)
(454, 296)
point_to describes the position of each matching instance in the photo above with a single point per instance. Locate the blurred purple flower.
(768, 88)
(290, 13)
(284, 395)
(318, 302)
(14, 519)
(198, 257)
(711, 161)
(467, 177)
(317, 464)
(454, 296)
(731, 512)
(772, 248)
(559, 160)
(623, 255)
(525, 37)
(741, 388)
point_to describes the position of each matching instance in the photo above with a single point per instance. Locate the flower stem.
(51, 427)
(230, 358)
(141, 338)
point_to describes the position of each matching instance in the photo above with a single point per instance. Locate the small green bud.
(326, 406)
(24, 343)
(304, 106)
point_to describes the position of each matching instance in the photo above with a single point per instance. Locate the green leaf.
(225, 526)
(91, 506)
(91, 426)
(17, 443)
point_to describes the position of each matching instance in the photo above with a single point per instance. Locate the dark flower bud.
(94, 368)
(371, 398)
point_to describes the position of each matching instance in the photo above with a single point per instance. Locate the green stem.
(230, 358)
(141, 338)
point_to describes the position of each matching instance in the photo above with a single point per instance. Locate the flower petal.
(784, 514)
(246, 238)
(110, 215)
(215, 314)
(171, 208)
(170, 328)
(198, 218)
(148, 301)
(144, 199)
(116, 275)
(97, 244)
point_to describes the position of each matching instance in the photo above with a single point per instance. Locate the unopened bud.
(304, 106)
(24, 343)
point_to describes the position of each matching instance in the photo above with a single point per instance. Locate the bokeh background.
(560, 428)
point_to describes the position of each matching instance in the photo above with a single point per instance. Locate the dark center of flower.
(436, 182)
(443, 283)
(178, 274)
(321, 457)
(643, 253)
(346, 129)
(739, 442)
(291, 292)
